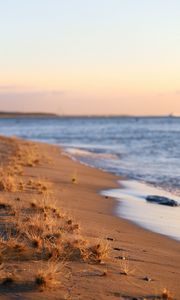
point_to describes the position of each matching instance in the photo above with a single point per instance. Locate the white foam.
(85, 153)
(133, 206)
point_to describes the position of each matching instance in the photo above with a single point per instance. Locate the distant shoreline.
(5, 114)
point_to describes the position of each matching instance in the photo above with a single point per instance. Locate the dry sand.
(140, 263)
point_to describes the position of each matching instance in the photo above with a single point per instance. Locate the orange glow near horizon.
(125, 61)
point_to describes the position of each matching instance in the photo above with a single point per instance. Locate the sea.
(145, 151)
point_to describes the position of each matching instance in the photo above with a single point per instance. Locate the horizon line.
(31, 113)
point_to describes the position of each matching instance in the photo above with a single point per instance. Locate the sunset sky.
(90, 56)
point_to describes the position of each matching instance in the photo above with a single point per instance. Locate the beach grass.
(41, 243)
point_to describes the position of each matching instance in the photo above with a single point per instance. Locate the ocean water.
(145, 150)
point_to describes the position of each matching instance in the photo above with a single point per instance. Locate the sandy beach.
(110, 258)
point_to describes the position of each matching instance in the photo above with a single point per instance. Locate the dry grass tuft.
(34, 240)
(46, 204)
(9, 180)
(14, 169)
(27, 155)
(8, 183)
(37, 205)
(74, 180)
(125, 268)
(7, 277)
(166, 295)
(49, 275)
(72, 249)
(11, 246)
(34, 225)
(96, 253)
(41, 186)
(74, 177)
(5, 204)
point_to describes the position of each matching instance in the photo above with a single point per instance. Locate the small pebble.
(117, 249)
(17, 199)
(147, 279)
(121, 257)
(110, 239)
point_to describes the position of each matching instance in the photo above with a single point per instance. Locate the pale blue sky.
(110, 51)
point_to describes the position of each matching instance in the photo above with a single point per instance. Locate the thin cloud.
(8, 87)
(16, 90)
(5, 91)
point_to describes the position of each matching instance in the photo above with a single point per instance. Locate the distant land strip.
(6, 114)
(27, 115)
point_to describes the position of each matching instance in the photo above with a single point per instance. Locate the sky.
(90, 57)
